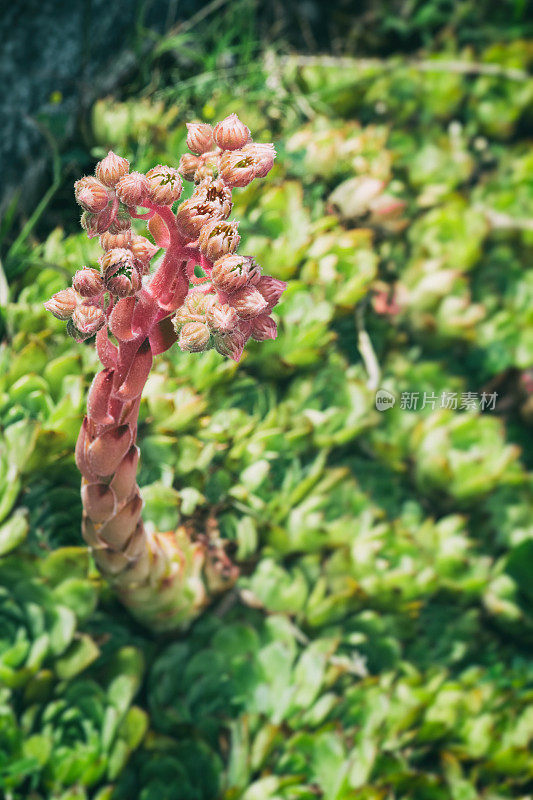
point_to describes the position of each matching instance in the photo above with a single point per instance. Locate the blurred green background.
(378, 644)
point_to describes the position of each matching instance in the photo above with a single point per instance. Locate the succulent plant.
(164, 578)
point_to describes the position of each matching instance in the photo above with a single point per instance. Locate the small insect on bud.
(110, 240)
(231, 133)
(111, 168)
(271, 289)
(248, 302)
(88, 282)
(164, 185)
(263, 155)
(221, 318)
(192, 215)
(199, 137)
(121, 222)
(218, 237)
(91, 194)
(264, 327)
(63, 303)
(194, 337)
(237, 168)
(88, 319)
(121, 276)
(232, 344)
(232, 272)
(188, 166)
(214, 191)
(143, 249)
(132, 188)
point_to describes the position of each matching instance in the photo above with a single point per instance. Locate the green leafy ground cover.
(379, 642)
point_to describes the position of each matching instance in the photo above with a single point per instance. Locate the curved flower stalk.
(136, 314)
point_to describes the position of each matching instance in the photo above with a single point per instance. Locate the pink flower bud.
(263, 155)
(218, 237)
(232, 345)
(248, 302)
(271, 289)
(198, 302)
(221, 318)
(96, 224)
(192, 215)
(194, 337)
(237, 168)
(264, 327)
(143, 249)
(199, 137)
(110, 240)
(76, 334)
(124, 285)
(88, 319)
(188, 166)
(111, 169)
(214, 191)
(207, 169)
(121, 274)
(118, 258)
(63, 303)
(232, 272)
(164, 185)
(132, 188)
(88, 282)
(91, 194)
(181, 317)
(231, 133)
(194, 308)
(121, 222)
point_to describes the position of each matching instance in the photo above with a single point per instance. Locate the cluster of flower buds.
(120, 275)
(108, 199)
(82, 312)
(225, 151)
(237, 306)
(236, 303)
(108, 196)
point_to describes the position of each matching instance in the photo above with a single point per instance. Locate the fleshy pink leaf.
(162, 336)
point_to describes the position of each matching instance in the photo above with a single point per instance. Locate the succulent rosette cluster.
(138, 312)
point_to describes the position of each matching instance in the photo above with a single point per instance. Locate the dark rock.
(55, 57)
